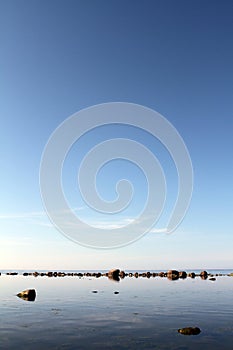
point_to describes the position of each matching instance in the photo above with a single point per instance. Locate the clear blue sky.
(58, 57)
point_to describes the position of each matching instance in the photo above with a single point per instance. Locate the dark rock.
(25, 274)
(173, 275)
(189, 331)
(161, 274)
(148, 274)
(28, 295)
(192, 274)
(203, 273)
(154, 274)
(122, 274)
(130, 274)
(114, 274)
(116, 292)
(212, 279)
(182, 274)
(136, 275)
(98, 275)
(95, 291)
(35, 274)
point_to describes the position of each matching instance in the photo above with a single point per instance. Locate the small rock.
(122, 274)
(189, 331)
(212, 279)
(95, 291)
(116, 292)
(28, 295)
(161, 274)
(192, 274)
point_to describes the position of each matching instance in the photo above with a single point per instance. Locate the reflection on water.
(90, 313)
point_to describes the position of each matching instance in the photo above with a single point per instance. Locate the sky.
(59, 57)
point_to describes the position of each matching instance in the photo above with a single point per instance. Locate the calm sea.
(145, 314)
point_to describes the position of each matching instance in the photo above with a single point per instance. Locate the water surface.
(146, 313)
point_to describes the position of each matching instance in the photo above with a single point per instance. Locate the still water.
(145, 314)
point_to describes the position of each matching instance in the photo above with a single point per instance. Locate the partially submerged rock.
(28, 295)
(189, 331)
(114, 274)
(204, 274)
(173, 275)
(192, 274)
(182, 274)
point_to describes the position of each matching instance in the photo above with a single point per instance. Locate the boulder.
(114, 274)
(28, 295)
(182, 274)
(173, 275)
(189, 331)
(203, 275)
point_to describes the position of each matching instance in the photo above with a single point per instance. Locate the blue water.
(146, 313)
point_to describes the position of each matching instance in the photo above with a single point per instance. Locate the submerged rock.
(189, 330)
(28, 295)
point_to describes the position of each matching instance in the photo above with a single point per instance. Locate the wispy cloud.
(32, 215)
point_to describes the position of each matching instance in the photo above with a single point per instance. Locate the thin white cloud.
(32, 215)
